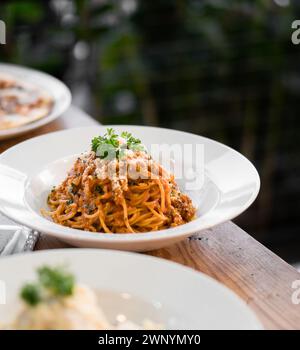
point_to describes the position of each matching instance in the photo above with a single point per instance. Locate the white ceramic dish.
(141, 287)
(59, 92)
(29, 170)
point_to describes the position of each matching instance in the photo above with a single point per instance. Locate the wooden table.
(226, 253)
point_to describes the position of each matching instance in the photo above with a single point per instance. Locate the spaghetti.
(131, 194)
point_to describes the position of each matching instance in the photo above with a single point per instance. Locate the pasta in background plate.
(21, 102)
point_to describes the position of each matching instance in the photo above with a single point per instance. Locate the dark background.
(223, 69)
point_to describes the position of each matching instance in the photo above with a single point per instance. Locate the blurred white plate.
(141, 287)
(59, 92)
(30, 169)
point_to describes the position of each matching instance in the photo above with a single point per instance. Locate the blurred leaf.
(25, 11)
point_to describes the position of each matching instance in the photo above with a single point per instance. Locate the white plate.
(142, 287)
(58, 91)
(29, 170)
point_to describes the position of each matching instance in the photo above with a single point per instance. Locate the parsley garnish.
(109, 138)
(31, 294)
(110, 144)
(53, 281)
(56, 280)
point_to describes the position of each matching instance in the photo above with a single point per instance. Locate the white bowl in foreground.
(137, 286)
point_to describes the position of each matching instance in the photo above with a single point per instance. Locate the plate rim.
(7, 133)
(178, 231)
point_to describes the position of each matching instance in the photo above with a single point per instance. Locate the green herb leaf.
(111, 139)
(96, 142)
(31, 294)
(56, 280)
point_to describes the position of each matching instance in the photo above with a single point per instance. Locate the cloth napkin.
(15, 238)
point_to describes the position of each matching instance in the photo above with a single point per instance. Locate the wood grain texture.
(226, 253)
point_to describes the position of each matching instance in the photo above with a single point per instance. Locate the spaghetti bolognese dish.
(117, 187)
